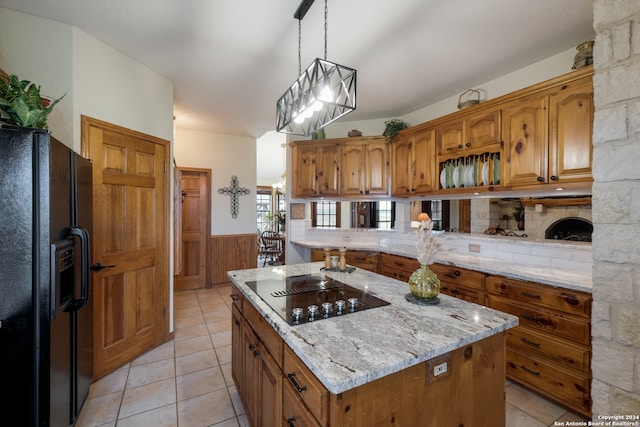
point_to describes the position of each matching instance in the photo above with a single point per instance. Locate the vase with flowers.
(424, 283)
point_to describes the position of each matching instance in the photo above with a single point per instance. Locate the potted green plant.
(392, 127)
(21, 103)
(518, 215)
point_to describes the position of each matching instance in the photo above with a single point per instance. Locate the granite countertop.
(346, 352)
(569, 279)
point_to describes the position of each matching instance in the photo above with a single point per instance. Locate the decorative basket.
(469, 102)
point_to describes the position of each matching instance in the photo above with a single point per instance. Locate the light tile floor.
(187, 382)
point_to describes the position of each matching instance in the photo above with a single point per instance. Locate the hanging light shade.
(323, 93)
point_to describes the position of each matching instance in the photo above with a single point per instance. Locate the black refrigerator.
(46, 315)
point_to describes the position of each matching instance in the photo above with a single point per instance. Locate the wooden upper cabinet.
(548, 135)
(328, 170)
(316, 169)
(525, 135)
(471, 134)
(571, 123)
(414, 163)
(365, 168)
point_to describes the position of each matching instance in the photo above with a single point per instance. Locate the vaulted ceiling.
(231, 60)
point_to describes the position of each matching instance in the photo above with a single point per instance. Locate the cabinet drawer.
(306, 386)
(552, 322)
(457, 275)
(272, 341)
(555, 350)
(462, 292)
(294, 413)
(398, 262)
(571, 389)
(395, 274)
(364, 260)
(237, 298)
(566, 300)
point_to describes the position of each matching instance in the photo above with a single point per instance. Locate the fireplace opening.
(572, 228)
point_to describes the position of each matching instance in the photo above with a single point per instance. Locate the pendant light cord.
(326, 26)
(299, 48)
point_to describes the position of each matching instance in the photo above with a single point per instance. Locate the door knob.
(97, 267)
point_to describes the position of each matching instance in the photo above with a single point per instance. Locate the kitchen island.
(398, 364)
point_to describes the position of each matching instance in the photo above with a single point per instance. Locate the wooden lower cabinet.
(461, 283)
(397, 266)
(278, 389)
(550, 350)
(366, 260)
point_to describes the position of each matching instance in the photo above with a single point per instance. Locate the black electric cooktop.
(309, 298)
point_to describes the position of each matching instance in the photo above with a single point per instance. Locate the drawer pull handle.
(532, 372)
(252, 347)
(294, 383)
(234, 297)
(237, 322)
(256, 353)
(530, 317)
(528, 295)
(290, 422)
(533, 343)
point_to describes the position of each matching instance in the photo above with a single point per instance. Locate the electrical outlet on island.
(474, 247)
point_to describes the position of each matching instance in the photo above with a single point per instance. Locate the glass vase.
(424, 283)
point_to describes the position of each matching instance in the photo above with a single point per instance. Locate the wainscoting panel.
(231, 252)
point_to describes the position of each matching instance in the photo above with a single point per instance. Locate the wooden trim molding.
(577, 201)
(231, 252)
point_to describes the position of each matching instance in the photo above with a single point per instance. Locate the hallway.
(187, 382)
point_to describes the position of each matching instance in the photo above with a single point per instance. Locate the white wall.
(40, 50)
(225, 155)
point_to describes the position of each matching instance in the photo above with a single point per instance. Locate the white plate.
(443, 177)
(485, 173)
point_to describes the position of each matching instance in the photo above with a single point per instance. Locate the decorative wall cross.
(234, 191)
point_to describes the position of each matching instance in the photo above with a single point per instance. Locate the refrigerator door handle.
(85, 249)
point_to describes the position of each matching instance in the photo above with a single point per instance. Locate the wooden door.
(270, 393)
(571, 124)
(526, 139)
(131, 235)
(450, 137)
(464, 215)
(482, 129)
(196, 229)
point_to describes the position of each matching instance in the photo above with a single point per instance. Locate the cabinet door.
(304, 170)
(526, 137)
(571, 121)
(450, 137)
(251, 375)
(482, 129)
(424, 158)
(376, 176)
(352, 170)
(328, 170)
(403, 166)
(237, 349)
(270, 395)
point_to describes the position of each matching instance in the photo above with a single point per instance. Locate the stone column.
(616, 209)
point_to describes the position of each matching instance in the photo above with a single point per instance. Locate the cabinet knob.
(460, 145)
(468, 144)
(256, 353)
(540, 179)
(252, 347)
(290, 422)
(554, 178)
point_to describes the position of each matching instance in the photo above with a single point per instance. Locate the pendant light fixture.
(323, 93)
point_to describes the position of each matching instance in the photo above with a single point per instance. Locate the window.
(263, 210)
(385, 215)
(438, 211)
(326, 214)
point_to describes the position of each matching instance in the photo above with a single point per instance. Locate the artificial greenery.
(518, 212)
(392, 127)
(21, 103)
